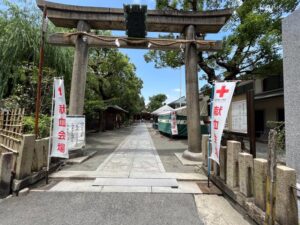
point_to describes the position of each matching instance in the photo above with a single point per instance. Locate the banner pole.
(50, 136)
(209, 139)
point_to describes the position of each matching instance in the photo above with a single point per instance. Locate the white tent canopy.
(162, 109)
(182, 111)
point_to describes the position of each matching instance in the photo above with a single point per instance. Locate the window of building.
(272, 83)
(280, 114)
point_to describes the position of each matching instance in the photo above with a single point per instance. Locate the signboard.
(239, 116)
(76, 132)
(59, 124)
(174, 124)
(223, 92)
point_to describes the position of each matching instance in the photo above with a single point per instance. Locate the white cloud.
(176, 90)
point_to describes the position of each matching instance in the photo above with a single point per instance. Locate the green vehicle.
(165, 120)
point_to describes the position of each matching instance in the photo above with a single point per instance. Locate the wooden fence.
(11, 131)
(22, 157)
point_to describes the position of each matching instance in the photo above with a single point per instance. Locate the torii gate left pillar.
(192, 97)
(80, 64)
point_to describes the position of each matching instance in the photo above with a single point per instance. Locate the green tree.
(111, 76)
(112, 81)
(156, 101)
(254, 37)
(19, 53)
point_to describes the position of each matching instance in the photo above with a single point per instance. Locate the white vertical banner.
(59, 132)
(174, 129)
(223, 92)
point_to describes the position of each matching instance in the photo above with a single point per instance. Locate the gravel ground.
(63, 208)
(166, 147)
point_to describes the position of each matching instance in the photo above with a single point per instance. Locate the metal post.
(180, 86)
(209, 139)
(41, 64)
(50, 136)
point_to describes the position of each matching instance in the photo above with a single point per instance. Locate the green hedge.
(44, 125)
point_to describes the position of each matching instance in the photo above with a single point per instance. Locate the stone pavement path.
(135, 154)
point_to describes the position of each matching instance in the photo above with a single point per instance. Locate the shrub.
(44, 125)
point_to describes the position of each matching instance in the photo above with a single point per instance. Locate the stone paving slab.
(135, 182)
(216, 210)
(79, 160)
(98, 174)
(178, 176)
(128, 189)
(135, 154)
(188, 187)
(76, 186)
(86, 174)
(183, 187)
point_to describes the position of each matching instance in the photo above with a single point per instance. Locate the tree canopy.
(112, 80)
(253, 37)
(156, 101)
(19, 48)
(111, 77)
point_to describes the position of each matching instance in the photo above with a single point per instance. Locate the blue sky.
(165, 80)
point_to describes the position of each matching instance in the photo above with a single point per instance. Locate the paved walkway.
(135, 154)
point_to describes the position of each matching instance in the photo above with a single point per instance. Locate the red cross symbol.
(222, 91)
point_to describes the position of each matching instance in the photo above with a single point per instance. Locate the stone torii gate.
(189, 23)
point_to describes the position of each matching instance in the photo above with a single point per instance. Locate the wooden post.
(79, 72)
(192, 94)
(40, 74)
(271, 178)
(251, 122)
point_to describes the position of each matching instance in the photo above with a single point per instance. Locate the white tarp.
(162, 109)
(223, 92)
(59, 127)
(76, 132)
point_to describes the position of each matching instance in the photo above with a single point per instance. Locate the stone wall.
(244, 180)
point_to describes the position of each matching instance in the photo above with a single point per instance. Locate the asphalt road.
(65, 208)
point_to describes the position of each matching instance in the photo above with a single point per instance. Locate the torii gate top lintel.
(100, 18)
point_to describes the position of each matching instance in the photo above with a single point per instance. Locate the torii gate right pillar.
(192, 98)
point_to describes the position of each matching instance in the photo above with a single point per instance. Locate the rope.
(157, 42)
